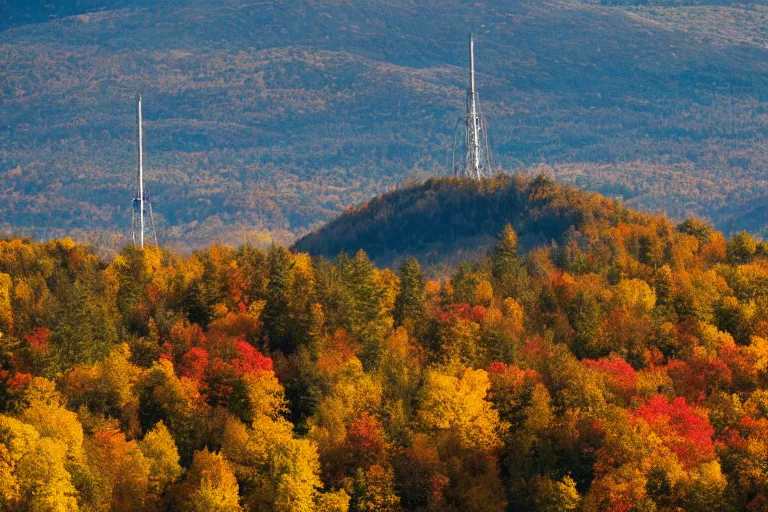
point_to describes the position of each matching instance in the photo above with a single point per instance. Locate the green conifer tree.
(510, 278)
(410, 300)
(277, 312)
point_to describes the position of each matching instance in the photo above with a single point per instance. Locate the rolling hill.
(443, 221)
(264, 119)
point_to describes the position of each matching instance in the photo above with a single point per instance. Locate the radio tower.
(142, 206)
(477, 162)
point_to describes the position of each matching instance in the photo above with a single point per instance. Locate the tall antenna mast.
(141, 203)
(477, 161)
(473, 157)
(141, 172)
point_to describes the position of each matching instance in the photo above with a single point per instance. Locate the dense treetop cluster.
(622, 366)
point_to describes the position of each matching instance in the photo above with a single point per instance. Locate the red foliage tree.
(15, 382)
(366, 441)
(250, 360)
(183, 337)
(220, 381)
(697, 378)
(619, 375)
(194, 364)
(497, 368)
(464, 311)
(684, 429)
(38, 340)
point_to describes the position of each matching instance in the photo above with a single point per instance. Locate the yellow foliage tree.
(279, 472)
(483, 293)
(212, 484)
(33, 470)
(635, 296)
(758, 349)
(47, 414)
(160, 450)
(459, 405)
(6, 312)
(107, 387)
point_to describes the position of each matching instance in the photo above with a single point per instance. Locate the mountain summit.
(451, 219)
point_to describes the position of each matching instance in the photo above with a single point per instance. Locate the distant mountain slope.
(445, 220)
(265, 118)
(23, 12)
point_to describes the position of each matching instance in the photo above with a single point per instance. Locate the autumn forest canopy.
(508, 344)
(615, 361)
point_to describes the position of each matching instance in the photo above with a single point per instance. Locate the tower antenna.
(142, 206)
(477, 161)
(141, 169)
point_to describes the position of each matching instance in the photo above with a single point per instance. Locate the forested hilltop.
(621, 367)
(445, 220)
(263, 119)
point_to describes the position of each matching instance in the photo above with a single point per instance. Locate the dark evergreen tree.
(133, 280)
(213, 285)
(333, 295)
(254, 271)
(367, 293)
(651, 249)
(196, 309)
(510, 278)
(410, 300)
(277, 312)
(585, 318)
(464, 281)
(84, 328)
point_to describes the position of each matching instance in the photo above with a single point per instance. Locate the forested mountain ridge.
(445, 220)
(624, 367)
(264, 119)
